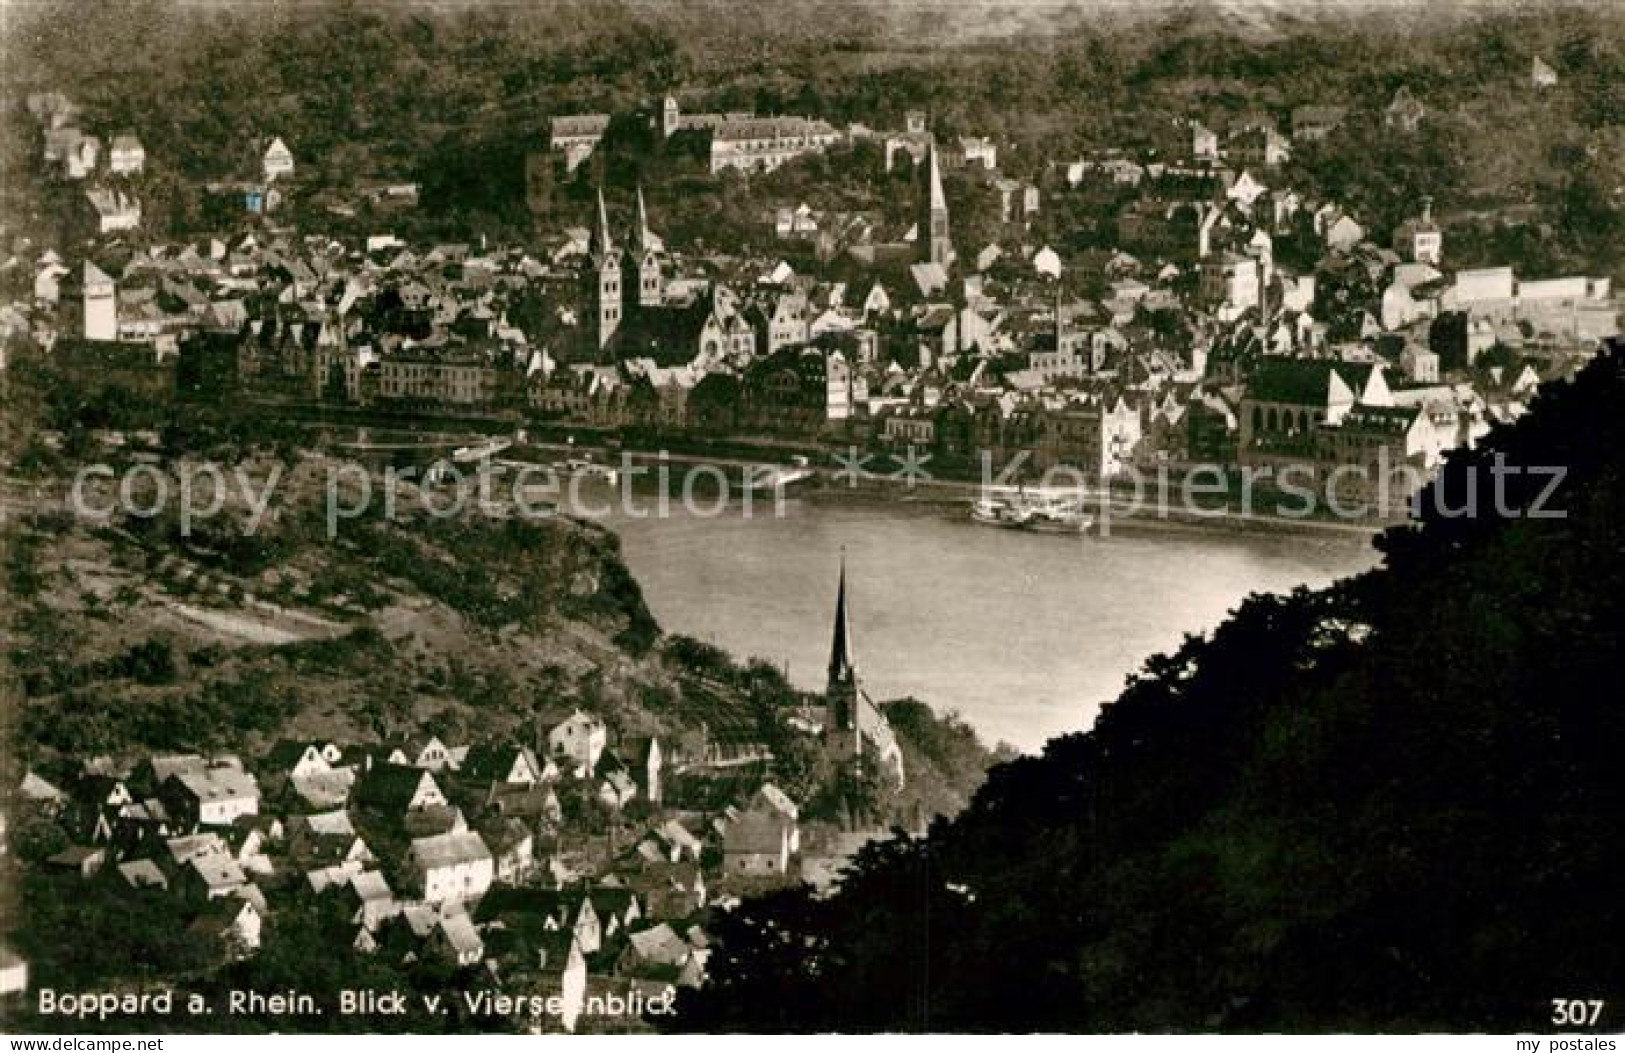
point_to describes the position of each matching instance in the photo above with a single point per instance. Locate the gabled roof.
(391, 785)
(215, 784)
(369, 886)
(660, 945)
(37, 789)
(488, 761)
(142, 873)
(459, 933)
(218, 870)
(335, 823)
(447, 850)
(756, 833)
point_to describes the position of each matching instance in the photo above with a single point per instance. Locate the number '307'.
(1574, 1012)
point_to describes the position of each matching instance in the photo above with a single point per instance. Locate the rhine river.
(1025, 635)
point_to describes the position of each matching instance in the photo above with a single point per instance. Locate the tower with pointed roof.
(606, 268)
(852, 717)
(841, 691)
(935, 243)
(643, 260)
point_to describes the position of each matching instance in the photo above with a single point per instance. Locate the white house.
(1344, 233)
(278, 160)
(1232, 282)
(762, 838)
(374, 903)
(1204, 142)
(82, 156)
(237, 923)
(1047, 262)
(1541, 75)
(581, 740)
(450, 867)
(877, 302)
(214, 875)
(573, 987)
(13, 973)
(1420, 240)
(114, 210)
(428, 753)
(215, 796)
(127, 156)
(1246, 190)
(979, 150)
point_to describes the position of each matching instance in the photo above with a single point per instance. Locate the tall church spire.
(842, 669)
(939, 200)
(848, 711)
(643, 271)
(606, 278)
(640, 232)
(933, 225)
(602, 242)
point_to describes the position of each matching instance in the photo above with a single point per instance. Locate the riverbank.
(1109, 509)
(852, 476)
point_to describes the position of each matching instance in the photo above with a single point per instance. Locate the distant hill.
(456, 96)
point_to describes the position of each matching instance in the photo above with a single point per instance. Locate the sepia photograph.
(818, 517)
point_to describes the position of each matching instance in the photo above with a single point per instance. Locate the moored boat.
(1036, 512)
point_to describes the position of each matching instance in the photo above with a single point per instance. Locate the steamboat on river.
(1046, 513)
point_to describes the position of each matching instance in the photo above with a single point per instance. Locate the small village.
(467, 857)
(573, 874)
(457, 854)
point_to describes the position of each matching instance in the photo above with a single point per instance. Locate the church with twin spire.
(625, 279)
(631, 315)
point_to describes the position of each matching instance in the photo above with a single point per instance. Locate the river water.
(1025, 635)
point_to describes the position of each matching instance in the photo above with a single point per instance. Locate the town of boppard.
(815, 516)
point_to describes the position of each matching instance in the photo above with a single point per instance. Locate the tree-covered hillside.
(1393, 804)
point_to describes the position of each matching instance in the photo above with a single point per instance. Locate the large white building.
(761, 144)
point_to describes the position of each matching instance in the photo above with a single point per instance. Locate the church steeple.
(841, 665)
(602, 243)
(640, 231)
(933, 226)
(606, 284)
(643, 260)
(842, 690)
